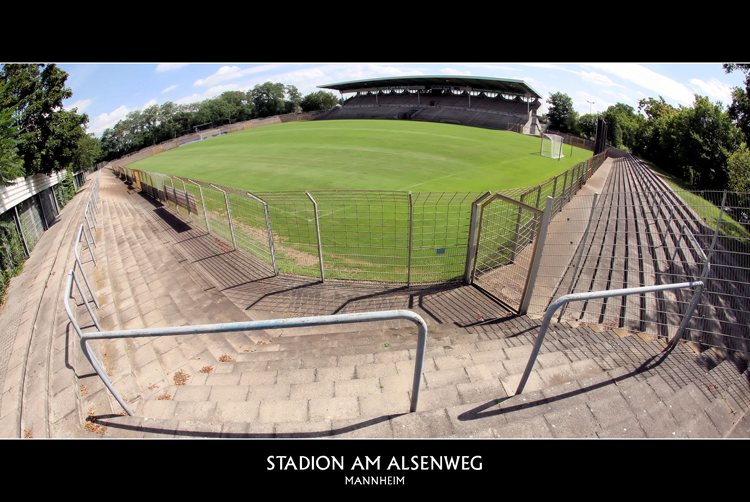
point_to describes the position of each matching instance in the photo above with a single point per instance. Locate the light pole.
(590, 103)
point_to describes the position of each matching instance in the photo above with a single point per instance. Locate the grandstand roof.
(492, 84)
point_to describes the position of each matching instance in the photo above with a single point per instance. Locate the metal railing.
(234, 327)
(564, 300)
(365, 235)
(86, 338)
(592, 295)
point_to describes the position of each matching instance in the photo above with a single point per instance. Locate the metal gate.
(509, 242)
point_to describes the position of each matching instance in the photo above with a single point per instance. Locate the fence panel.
(294, 232)
(504, 253)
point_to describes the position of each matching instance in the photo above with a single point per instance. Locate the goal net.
(552, 146)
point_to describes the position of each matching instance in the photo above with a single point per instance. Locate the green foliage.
(561, 114)
(49, 135)
(320, 100)
(69, 186)
(738, 167)
(622, 125)
(587, 126)
(12, 255)
(692, 143)
(739, 110)
(10, 164)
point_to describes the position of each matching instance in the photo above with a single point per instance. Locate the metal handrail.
(261, 325)
(80, 265)
(593, 295)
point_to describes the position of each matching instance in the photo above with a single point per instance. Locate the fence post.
(229, 215)
(541, 237)
(203, 203)
(471, 251)
(518, 226)
(270, 232)
(317, 230)
(187, 200)
(20, 231)
(411, 231)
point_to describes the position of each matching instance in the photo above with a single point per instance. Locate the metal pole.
(258, 325)
(20, 231)
(203, 203)
(411, 230)
(473, 238)
(592, 295)
(317, 231)
(270, 232)
(518, 227)
(187, 200)
(538, 247)
(85, 301)
(718, 225)
(229, 215)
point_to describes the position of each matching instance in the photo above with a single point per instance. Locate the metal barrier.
(252, 326)
(563, 300)
(366, 235)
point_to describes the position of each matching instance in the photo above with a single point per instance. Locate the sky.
(107, 92)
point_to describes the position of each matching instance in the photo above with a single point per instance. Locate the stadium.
(423, 260)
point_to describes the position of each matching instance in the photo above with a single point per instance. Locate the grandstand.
(493, 103)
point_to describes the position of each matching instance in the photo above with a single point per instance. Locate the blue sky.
(107, 92)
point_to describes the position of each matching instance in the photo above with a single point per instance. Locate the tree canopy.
(561, 114)
(48, 135)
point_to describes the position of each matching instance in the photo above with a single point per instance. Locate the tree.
(738, 167)
(293, 99)
(622, 125)
(587, 125)
(87, 154)
(49, 134)
(320, 100)
(10, 164)
(268, 99)
(739, 110)
(561, 114)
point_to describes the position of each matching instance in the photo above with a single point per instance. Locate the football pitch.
(365, 155)
(360, 173)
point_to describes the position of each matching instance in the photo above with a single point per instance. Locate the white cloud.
(597, 78)
(649, 79)
(170, 88)
(549, 66)
(232, 72)
(715, 89)
(80, 105)
(451, 71)
(222, 74)
(170, 66)
(103, 121)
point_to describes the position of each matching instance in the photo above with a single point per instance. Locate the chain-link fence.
(637, 232)
(379, 236)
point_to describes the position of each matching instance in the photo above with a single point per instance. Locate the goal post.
(552, 146)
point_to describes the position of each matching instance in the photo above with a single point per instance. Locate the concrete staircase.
(356, 381)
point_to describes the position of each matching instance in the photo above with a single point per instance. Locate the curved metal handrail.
(262, 325)
(593, 295)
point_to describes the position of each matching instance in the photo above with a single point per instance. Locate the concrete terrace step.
(355, 381)
(597, 406)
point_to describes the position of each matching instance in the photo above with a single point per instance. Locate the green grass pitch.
(365, 155)
(445, 166)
